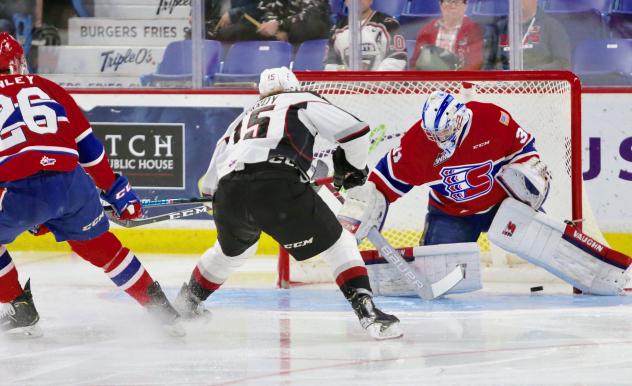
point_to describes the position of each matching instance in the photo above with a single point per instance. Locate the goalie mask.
(12, 59)
(276, 80)
(442, 119)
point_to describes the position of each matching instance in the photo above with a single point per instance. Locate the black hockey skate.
(189, 305)
(377, 323)
(20, 317)
(160, 308)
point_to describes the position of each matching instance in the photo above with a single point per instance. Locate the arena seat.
(246, 60)
(310, 55)
(576, 5)
(82, 9)
(580, 20)
(176, 63)
(23, 30)
(623, 5)
(620, 23)
(390, 7)
(606, 62)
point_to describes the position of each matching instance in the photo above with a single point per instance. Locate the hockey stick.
(167, 202)
(321, 170)
(420, 284)
(161, 217)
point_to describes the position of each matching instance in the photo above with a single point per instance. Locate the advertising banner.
(607, 158)
(94, 81)
(111, 32)
(151, 155)
(163, 144)
(142, 9)
(121, 60)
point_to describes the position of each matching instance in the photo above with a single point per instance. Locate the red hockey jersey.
(464, 183)
(43, 129)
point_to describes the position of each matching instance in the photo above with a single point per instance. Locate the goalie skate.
(163, 312)
(190, 306)
(378, 324)
(19, 318)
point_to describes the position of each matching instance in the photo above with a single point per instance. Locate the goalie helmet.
(276, 80)
(442, 119)
(12, 59)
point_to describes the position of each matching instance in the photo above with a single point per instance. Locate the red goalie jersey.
(464, 183)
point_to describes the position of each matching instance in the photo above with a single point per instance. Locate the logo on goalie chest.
(464, 183)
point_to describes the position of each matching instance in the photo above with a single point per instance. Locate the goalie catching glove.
(365, 207)
(527, 182)
(346, 175)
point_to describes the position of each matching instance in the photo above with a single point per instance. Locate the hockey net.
(547, 104)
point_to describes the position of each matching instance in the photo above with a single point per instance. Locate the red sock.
(118, 262)
(9, 284)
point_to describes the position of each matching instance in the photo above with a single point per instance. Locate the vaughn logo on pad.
(509, 229)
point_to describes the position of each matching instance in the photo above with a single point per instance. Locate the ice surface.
(259, 335)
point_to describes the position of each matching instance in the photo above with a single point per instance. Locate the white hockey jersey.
(383, 45)
(285, 125)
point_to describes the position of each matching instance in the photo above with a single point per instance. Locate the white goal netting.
(543, 106)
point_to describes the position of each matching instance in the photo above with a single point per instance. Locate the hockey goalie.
(484, 175)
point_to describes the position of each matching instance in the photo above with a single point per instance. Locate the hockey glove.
(39, 230)
(123, 199)
(346, 175)
(365, 207)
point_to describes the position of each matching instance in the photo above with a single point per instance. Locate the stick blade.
(448, 282)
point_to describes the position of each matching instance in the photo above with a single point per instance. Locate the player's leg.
(295, 216)
(237, 240)
(84, 225)
(18, 315)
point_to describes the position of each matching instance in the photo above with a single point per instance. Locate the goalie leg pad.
(435, 262)
(560, 249)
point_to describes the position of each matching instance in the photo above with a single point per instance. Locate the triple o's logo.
(509, 229)
(464, 183)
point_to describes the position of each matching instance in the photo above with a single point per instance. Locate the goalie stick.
(420, 284)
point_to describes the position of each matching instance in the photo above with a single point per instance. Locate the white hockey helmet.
(276, 80)
(442, 119)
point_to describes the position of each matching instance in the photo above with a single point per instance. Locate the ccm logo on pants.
(299, 244)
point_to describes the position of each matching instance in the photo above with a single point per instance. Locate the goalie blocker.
(560, 249)
(433, 261)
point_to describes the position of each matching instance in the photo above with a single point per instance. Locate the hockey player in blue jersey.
(46, 149)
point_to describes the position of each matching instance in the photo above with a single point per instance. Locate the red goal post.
(545, 103)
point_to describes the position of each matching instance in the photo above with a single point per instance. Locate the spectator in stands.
(383, 45)
(229, 20)
(545, 42)
(450, 42)
(294, 20)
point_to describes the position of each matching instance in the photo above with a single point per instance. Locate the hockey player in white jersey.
(258, 177)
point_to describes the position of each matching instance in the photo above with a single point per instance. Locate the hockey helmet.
(442, 119)
(276, 80)
(12, 59)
